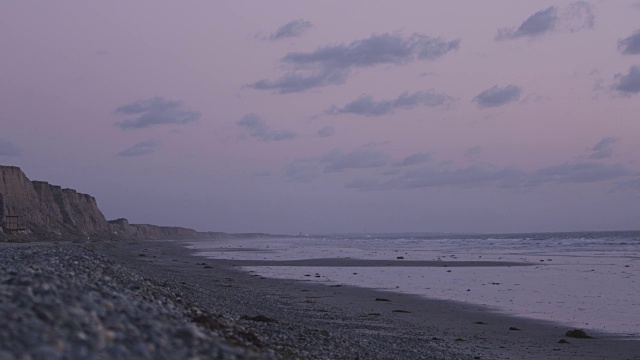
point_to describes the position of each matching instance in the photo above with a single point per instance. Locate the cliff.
(39, 210)
(122, 229)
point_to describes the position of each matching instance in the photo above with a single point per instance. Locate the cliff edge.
(38, 210)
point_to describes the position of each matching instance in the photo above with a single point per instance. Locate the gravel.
(66, 302)
(84, 301)
(295, 320)
(152, 300)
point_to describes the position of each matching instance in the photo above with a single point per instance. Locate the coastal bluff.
(32, 210)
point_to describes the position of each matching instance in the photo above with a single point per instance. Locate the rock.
(6, 355)
(578, 334)
(513, 328)
(382, 299)
(45, 352)
(400, 258)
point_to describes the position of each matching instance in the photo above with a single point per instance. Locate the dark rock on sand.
(578, 334)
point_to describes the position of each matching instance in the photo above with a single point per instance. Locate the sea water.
(585, 280)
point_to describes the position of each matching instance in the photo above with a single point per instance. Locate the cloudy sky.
(333, 116)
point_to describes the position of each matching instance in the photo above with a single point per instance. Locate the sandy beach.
(319, 321)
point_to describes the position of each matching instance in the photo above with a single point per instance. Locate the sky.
(333, 116)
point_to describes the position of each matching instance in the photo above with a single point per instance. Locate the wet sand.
(382, 325)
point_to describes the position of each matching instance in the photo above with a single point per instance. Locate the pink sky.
(289, 116)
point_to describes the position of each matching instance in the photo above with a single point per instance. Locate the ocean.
(588, 280)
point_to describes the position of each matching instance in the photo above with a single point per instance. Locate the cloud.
(485, 175)
(375, 50)
(419, 170)
(338, 161)
(628, 83)
(415, 159)
(631, 44)
(476, 175)
(326, 131)
(473, 153)
(331, 65)
(303, 170)
(8, 148)
(575, 17)
(291, 29)
(155, 111)
(299, 82)
(256, 127)
(603, 149)
(307, 169)
(579, 172)
(498, 96)
(141, 148)
(632, 183)
(366, 106)
(537, 24)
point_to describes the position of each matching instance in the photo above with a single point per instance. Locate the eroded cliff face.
(122, 229)
(49, 212)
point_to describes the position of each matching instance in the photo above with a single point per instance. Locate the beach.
(191, 307)
(585, 280)
(354, 323)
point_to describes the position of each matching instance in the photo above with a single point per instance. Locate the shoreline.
(587, 284)
(156, 300)
(470, 331)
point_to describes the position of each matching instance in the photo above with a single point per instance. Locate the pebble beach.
(155, 300)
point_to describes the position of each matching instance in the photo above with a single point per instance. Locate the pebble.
(65, 302)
